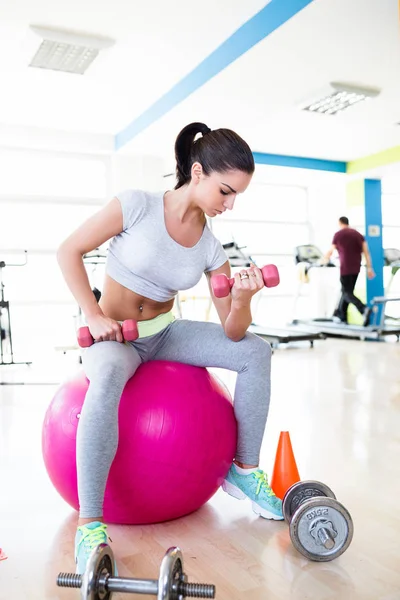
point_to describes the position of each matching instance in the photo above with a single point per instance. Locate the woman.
(160, 244)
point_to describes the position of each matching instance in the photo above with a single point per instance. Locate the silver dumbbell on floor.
(320, 527)
(99, 582)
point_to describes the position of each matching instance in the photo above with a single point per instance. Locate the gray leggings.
(109, 365)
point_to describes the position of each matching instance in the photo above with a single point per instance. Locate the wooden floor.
(341, 405)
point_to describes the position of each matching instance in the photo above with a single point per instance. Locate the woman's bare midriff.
(119, 303)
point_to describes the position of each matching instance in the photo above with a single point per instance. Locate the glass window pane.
(55, 175)
(43, 311)
(41, 280)
(391, 237)
(390, 184)
(391, 209)
(263, 202)
(262, 238)
(40, 225)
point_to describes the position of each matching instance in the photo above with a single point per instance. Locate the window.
(260, 238)
(265, 202)
(391, 220)
(52, 174)
(267, 219)
(35, 226)
(267, 222)
(391, 238)
(68, 190)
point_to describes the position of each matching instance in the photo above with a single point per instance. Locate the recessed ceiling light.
(338, 97)
(67, 51)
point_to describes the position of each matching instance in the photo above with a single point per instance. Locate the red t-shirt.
(349, 243)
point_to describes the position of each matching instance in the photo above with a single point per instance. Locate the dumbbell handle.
(326, 538)
(221, 285)
(130, 585)
(129, 332)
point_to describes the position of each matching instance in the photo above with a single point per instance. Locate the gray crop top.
(145, 259)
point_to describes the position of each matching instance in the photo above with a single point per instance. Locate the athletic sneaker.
(86, 539)
(340, 321)
(256, 487)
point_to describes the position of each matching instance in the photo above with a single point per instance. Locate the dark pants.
(348, 284)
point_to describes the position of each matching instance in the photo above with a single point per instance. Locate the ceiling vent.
(66, 51)
(338, 97)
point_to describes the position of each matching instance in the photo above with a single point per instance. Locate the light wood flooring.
(341, 404)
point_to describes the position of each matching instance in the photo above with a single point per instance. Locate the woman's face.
(216, 193)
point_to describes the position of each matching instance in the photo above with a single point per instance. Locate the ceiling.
(159, 43)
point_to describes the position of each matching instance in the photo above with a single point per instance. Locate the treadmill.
(392, 259)
(378, 329)
(274, 335)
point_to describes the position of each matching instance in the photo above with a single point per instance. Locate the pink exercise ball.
(177, 440)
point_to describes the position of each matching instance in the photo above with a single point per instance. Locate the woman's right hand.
(104, 329)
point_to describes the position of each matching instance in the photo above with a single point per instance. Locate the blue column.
(373, 231)
(364, 197)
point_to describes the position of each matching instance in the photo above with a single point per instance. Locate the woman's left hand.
(247, 283)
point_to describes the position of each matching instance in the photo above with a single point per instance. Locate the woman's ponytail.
(217, 150)
(183, 151)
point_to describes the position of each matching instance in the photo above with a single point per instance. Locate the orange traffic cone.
(285, 472)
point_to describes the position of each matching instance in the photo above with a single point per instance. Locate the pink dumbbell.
(221, 285)
(129, 332)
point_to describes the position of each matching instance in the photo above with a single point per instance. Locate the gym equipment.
(5, 318)
(376, 330)
(95, 257)
(237, 258)
(99, 581)
(285, 472)
(275, 336)
(320, 527)
(177, 434)
(129, 332)
(392, 259)
(221, 285)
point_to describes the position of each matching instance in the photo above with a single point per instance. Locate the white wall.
(143, 172)
(54, 140)
(327, 202)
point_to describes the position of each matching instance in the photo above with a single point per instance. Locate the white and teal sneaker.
(86, 539)
(256, 487)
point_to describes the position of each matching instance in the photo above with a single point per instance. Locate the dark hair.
(219, 150)
(344, 220)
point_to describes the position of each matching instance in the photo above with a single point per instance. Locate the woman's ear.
(196, 172)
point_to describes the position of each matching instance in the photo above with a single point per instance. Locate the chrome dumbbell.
(98, 582)
(320, 527)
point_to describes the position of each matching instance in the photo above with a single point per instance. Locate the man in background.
(350, 245)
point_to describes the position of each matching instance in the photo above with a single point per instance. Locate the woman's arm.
(234, 310)
(96, 230)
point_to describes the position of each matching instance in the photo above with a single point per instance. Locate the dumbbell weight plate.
(99, 565)
(171, 574)
(300, 492)
(308, 520)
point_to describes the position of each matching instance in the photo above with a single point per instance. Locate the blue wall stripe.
(373, 216)
(267, 20)
(299, 162)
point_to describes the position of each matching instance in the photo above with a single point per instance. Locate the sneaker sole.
(237, 493)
